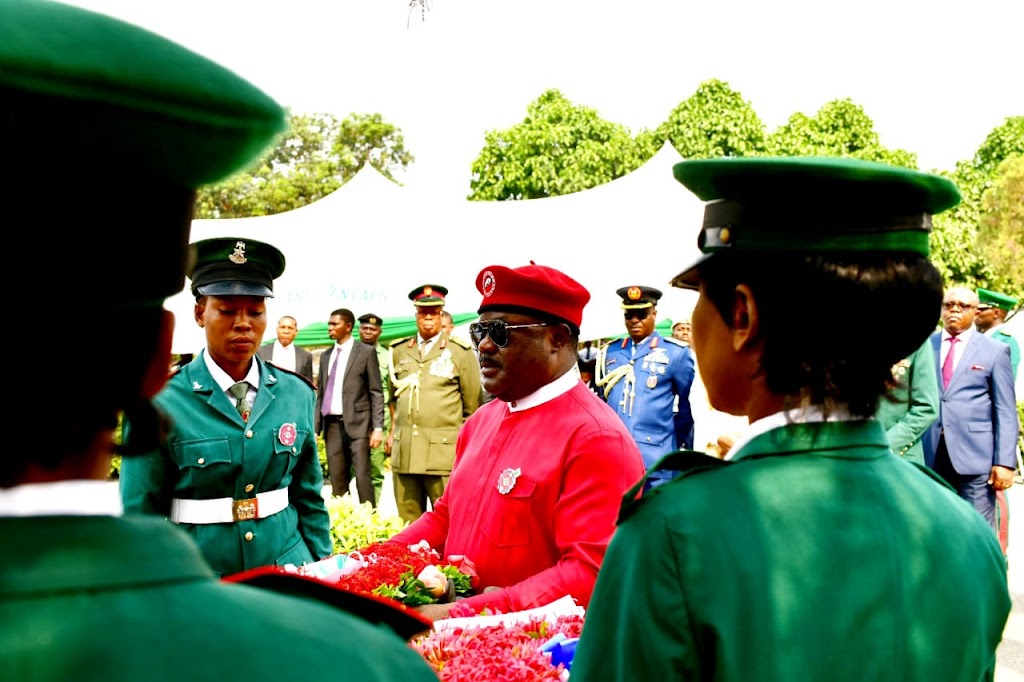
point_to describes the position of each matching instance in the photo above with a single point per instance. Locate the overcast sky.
(935, 76)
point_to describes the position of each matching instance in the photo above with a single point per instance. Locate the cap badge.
(507, 480)
(238, 257)
(427, 291)
(286, 434)
(633, 293)
(487, 283)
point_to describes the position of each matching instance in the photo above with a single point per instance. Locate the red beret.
(532, 286)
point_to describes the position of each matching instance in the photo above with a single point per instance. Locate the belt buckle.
(245, 510)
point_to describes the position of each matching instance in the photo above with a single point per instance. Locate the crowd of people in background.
(869, 475)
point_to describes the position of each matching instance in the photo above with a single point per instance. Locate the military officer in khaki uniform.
(87, 592)
(435, 386)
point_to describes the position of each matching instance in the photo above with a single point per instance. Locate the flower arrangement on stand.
(528, 645)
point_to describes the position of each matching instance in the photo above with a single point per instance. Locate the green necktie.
(240, 390)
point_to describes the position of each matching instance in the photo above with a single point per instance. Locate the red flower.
(497, 653)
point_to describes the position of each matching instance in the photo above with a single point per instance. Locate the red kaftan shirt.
(546, 536)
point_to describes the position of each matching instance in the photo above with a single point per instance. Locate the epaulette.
(683, 462)
(294, 374)
(1004, 330)
(461, 342)
(399, 342)
(672, 339)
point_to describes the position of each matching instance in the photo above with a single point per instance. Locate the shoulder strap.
(681, 463)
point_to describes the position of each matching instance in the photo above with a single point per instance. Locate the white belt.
(227, 510)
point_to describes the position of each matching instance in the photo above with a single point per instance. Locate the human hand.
(434, 612)
(1000, 477)
(387, 444)
(376, 438)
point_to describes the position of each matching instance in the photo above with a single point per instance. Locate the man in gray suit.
(284, 353)
(349, 404)
(972, 444)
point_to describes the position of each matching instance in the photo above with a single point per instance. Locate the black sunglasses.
(498, 331)
(637, 314)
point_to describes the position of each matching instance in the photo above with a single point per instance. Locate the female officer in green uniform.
(239, 469)
(812, 553)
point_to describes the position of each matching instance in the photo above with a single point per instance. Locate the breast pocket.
(507, 525)
(202, 465)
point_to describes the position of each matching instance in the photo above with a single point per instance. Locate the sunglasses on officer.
(497, 330)
(638, 314)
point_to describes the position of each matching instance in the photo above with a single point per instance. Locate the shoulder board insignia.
(288, 371)
(674, 340)
(682, 462)
(1005, 331)
(460, 342)
(399, 342)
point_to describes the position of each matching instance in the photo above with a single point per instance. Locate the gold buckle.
(245, 510)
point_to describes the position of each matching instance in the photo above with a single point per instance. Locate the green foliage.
(715, 121)
(1003, 142)
(313, 158)
(1001, 228)
(959, 251)
(356, 525)
(559, 148)
(840, 128)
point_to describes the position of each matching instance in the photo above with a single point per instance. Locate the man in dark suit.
(284, 353)
(349, 403)
(972, 443)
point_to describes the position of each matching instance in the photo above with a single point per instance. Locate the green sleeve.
(922, 401)
(637, 625)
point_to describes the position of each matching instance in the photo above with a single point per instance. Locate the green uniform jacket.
(432, 396)
(915, 403)
(1000, 334)
(813, 555)
(103, 598)
(211, 453)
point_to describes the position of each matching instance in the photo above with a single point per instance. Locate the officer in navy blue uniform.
(646, 379)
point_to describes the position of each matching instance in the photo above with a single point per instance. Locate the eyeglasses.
(498, 331)
(949, 305)
(637, 314)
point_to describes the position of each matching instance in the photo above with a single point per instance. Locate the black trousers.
(346, 454)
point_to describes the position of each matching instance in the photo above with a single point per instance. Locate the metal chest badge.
(286, 434)
(507, 480)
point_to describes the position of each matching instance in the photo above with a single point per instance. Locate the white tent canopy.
(366, 245)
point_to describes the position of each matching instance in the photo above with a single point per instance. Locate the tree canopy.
(559, 148)
(313, 158)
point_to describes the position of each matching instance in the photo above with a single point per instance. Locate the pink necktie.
(947, 364)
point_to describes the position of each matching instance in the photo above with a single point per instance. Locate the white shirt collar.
(223, 380)
(287, 350)
(66, 498)
(801, 415)
(962, 337)
(546, 393)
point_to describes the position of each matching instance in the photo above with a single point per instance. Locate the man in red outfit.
(540, 472)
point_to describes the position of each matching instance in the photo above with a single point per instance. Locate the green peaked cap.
(110, 131)
(811, 205)
(135, 97)
(994, 298)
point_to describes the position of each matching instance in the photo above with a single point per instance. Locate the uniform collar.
(223, 380)
(71, 498)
